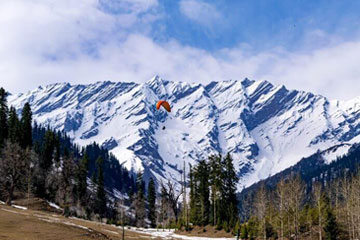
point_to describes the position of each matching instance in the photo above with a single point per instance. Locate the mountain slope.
(267, 128)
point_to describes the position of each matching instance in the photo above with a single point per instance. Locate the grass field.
(21, 224)
(18, 224)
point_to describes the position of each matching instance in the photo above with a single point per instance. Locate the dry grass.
(209, 232)
(16, 224)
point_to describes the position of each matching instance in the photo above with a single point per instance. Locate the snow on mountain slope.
(266, 128)
(335, 152)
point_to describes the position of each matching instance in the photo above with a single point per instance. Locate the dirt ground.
(42, 222)
(17, 224)
(210, 232)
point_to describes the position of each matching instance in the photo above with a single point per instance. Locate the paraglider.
(164, 104)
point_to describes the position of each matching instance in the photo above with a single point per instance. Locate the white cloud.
(201, 12)
(76, 42)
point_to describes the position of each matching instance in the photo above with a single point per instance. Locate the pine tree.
(230, 180)
(194, 199)
(3, 116)
(202, 177)
(47, 151)
(14, 131)
(216, 183)
(331, 228)
(82, 178)
(139, 202)
(164, 205)
(151, 198)
(26, 127)
(100, 192)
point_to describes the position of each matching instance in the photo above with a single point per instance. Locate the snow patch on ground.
(1, 202)
(53, 205)
(111, 231)
(170, 234)
(78, 226)
(7, 210)
(19, 207)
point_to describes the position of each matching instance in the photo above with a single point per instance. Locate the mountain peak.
(255, 121)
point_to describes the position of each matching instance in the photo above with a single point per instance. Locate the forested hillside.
(37, 160)
(311, 198)
(89, 182)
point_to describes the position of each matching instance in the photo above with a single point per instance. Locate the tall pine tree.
(194, 198)
(331, 227)
(47, 150)
(216, 183)
(202, 177)
(26, 127)
(230, 201)
(82, 178)
(14, 129)
(139, 203)
(100, 191)
(151, 198)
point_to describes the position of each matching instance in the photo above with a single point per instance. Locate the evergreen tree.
(230, 180)
(216, 183)
(3, 116)
(163, 207)
(194, 199)
(331, 228)
(139, 201)
(151, 198)
(14, 130)
(56, 148)
(202, 177)
(100, 192)
(140, 185)
(47, 150)
(26, 127)
(82, 177)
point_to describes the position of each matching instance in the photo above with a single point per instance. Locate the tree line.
(292, 210)
(211, 185)
(38, 161)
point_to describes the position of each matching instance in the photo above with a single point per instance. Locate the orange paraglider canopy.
(165, 105)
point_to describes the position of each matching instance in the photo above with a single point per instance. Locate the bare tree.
(281, 193)
(297, 192)
(172, 196)
(345, 194)
(14, 163)
(317, 192)
(261, 204)
(66, 179)
(356, 194)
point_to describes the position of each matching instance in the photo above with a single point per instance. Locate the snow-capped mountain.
(267, 128)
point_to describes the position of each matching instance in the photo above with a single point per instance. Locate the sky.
(304, 44)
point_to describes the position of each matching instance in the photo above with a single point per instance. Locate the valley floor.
(20, 224)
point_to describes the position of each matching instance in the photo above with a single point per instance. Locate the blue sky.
(262, 24)
(303, 44)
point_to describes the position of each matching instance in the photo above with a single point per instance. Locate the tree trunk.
(10, 194)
